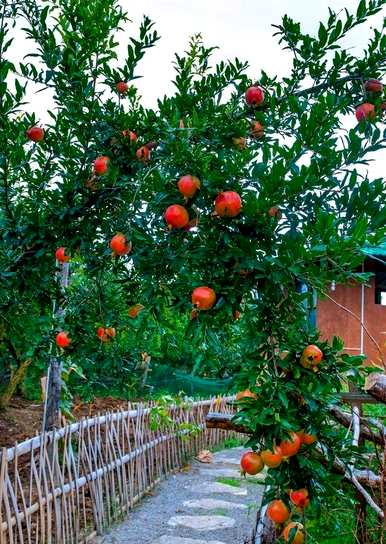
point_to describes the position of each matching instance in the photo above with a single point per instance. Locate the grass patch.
(228, 443)
(219, 512)
(255, 481)
(234, 482)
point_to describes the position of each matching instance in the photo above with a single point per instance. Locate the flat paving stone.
(221, 472)
(212, 504)
(148, 523)
(217, 487)
(167, 539)
(202, 523)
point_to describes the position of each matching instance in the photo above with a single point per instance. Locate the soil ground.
(23, 418)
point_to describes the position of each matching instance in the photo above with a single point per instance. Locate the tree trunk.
(54, 387)
(265, 531)
(16, 379)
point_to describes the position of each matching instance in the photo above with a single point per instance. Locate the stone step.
(221, 472)
(202, 523)
(217, 487)
(212, 504)
(167, 539)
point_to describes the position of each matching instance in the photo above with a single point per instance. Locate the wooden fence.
(67, 486)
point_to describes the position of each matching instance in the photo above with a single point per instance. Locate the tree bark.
(16, 379)
(54, 388)
(366, 431)
(376, 386)
(215, 420)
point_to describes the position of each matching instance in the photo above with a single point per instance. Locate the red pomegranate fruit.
(188, 185)
(290, 447)
(120, 245)
(176, 216)
(254, 96)
(228, 204)
(101, 165)
(374, 86)
(122, 87)
(60, 255)
(203, 297)
(311, 357)
(35, 134)
(251, 463)
(365, 112)
(300, 498)
(278, 512)
(62, 339)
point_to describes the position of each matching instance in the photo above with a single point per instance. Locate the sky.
(239, 28)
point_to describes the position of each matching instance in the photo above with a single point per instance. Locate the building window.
(380, 288)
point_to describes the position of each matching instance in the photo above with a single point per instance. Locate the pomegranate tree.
(256, 229)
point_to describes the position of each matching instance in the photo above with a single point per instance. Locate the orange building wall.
(335, 321)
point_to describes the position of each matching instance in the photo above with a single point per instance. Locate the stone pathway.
(208, 504)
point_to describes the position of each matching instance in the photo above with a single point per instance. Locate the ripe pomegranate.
(240, 142)
(129, 134)
(290, 447)
(101, 334)
(122, 87)
(278, 512)
(373, 86)
(188, 185)
(251, 463)
(247, 394)
(143, 153)
(300, 498)
(176, 216)
(274, 211)
(203, 297)
(254, 96)
(135, 310)
(35, 134)
(272, 459)
(307, 439)
(236, 315)
(311, 357)
(228, 204)
(62, 339)
(365, 111)
(294, 533)
(120, 245)
(106, 334)
(110, 331)
(257, 130)
(101, 165)
(60, 255)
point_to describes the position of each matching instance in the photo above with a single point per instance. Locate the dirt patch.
(23, 418)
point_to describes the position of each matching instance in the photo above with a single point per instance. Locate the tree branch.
(366, 432)
(376, 386)
(326, 85)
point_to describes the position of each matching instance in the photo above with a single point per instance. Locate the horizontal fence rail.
(67, 485)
